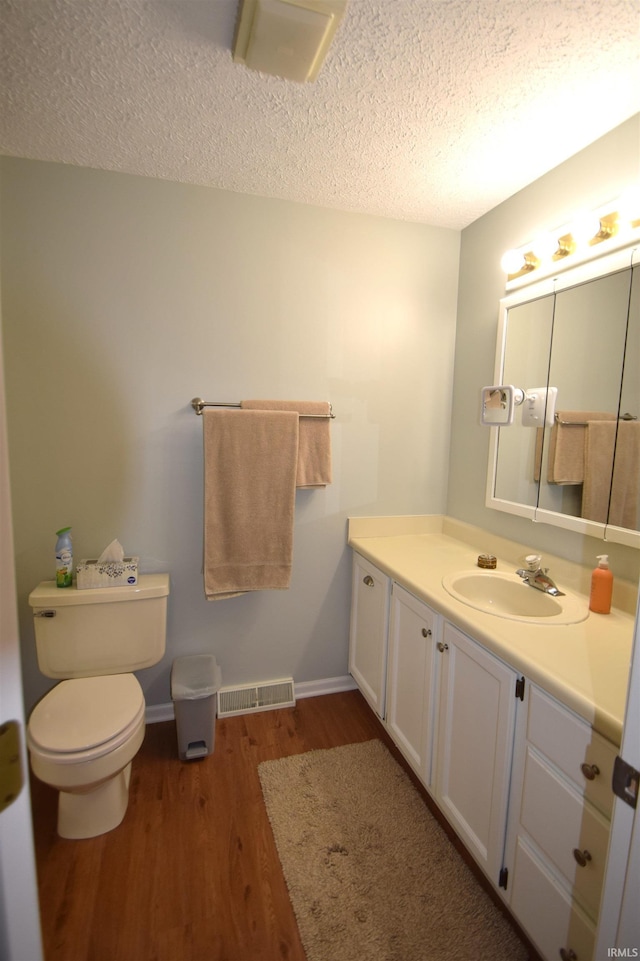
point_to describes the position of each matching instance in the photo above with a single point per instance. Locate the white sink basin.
(507, 595)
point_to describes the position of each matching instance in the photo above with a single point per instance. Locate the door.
(411, 679)
(368, 634)
(475, 745)
(19, 916)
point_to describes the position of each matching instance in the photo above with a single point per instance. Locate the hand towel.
(314, 438)
(611, 490)
(600, 439)
(250, 460)
(537, 454)
(567, 445)
(625, 485)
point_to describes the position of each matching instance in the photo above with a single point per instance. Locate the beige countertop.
(584, 665)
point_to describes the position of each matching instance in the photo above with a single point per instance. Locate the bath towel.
(314, 438)
(567, 445)
(250, 460)
(610, 493)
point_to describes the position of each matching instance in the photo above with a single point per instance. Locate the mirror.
(579, 333)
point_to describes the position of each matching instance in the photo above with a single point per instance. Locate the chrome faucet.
(538, 577)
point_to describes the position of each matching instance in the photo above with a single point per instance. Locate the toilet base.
(94, 812)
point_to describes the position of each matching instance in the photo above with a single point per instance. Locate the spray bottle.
(601, 587)
(64, 558)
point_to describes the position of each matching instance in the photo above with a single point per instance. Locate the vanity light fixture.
(615, 224)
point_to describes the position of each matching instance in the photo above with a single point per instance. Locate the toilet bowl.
(82, 737)
(84, 734)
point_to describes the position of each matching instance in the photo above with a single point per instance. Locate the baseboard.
(159, 712)
(328, 685)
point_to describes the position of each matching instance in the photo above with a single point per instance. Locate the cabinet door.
(475, 745)
(411, 679)
(368, 635)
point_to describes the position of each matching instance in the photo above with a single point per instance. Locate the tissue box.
(122, 573)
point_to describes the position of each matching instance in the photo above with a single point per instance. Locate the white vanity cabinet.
(524, 781)
(558, 832)
(412, 678)
(449, 706)
(368, 634)
(477, 710)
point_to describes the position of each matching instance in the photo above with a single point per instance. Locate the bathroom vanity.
(512, 723)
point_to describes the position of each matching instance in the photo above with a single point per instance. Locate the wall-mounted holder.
(498, 404)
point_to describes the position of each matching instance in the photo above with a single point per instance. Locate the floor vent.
(249, 698)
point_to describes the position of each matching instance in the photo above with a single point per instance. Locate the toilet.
(84, 733)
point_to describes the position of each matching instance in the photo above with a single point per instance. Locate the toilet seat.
(85, 718)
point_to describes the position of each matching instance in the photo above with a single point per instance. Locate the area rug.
(371, 874)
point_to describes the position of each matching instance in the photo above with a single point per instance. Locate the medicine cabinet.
(578, 332)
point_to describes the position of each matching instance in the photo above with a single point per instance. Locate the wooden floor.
(192, 873)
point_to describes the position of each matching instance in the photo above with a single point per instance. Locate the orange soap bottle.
(601, 587)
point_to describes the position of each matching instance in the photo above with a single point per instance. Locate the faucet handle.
(533, 561)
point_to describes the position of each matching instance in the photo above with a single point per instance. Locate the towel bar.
(583, 423)
(198, 404)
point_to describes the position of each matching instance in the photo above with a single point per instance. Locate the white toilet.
(83, 734)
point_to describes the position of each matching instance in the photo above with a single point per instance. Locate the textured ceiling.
(425, 110)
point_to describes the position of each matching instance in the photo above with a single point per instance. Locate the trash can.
(194, 684)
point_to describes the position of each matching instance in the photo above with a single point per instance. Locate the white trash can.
(195, 681)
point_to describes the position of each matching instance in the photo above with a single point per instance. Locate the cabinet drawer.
(572, 745)
(556, 816)
(546, 910)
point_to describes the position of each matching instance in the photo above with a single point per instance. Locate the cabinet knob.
(590, 771)
(582, 857)
(568, 954)
(426, 632)
(442, 647)
(368, 580)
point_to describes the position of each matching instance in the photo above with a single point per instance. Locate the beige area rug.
(371, 874)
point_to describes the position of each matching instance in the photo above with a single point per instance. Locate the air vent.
(249, 698)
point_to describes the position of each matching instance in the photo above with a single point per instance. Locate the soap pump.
(601, 587)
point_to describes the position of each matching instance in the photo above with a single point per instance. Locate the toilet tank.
(109, 630)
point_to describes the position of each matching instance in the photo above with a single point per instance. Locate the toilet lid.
(85, 712)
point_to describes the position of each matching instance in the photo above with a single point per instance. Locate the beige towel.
(250, 462)
(611, 496)
(567, 445)
(314, 438)
(537, 454)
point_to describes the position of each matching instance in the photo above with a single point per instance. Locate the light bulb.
(512, 262)
(629, 206)
(545, 247)
(584, 227)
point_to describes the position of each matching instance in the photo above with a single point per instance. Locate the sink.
(507, 595)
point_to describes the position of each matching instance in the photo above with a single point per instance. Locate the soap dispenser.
(601, 587)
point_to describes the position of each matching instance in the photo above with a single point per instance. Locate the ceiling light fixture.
(617, 223)
(286, 38)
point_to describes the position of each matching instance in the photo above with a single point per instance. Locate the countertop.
(583, 665)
